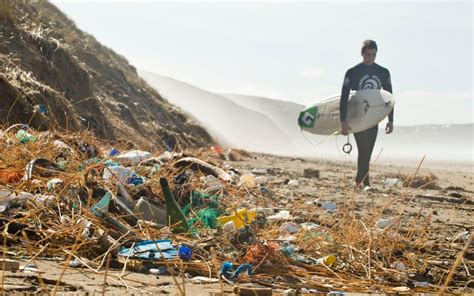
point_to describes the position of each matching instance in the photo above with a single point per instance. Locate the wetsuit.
(359, 77)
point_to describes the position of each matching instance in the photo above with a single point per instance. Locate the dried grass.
(55, 228)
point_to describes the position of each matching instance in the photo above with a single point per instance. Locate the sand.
(446, 218)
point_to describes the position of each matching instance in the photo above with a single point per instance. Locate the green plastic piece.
(25, 137)
(173, 211)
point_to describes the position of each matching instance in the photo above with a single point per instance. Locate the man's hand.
(345, 128)
(389, 128)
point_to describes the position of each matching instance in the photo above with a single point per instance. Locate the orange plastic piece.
(8, 177)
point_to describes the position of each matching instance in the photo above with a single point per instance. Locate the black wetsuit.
(359, 77)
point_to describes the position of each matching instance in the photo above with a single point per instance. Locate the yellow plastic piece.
(247, 181)
(241, 218)
(328, 260)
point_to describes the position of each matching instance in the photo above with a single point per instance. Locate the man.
(366, 75)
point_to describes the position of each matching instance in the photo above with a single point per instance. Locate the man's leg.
(365, 145)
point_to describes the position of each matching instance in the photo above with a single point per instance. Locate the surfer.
(366, 75)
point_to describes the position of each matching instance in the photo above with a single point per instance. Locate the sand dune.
(229, 123)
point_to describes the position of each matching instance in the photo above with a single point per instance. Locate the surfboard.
(366, 108)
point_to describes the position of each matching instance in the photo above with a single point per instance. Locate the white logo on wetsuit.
(370, 82)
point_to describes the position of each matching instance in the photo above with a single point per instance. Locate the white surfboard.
(366, 108)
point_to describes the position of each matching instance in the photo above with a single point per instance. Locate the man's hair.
(368, 44)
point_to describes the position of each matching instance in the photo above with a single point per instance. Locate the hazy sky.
(297, 51)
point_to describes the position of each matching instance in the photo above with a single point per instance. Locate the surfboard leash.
(309, 141)
(347, 148)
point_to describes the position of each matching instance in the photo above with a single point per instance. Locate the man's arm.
(346, 88)
(387, 85)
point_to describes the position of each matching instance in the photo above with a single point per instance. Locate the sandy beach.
(437, 209)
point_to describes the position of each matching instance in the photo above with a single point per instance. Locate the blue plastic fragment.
(336, 293)
(103, 205)
(135, 180)
(287, 249)
(225, 269)
(113, 152)
(228, 266)
(42, 109)
(148, 250)
(241, 269)
(185, 253)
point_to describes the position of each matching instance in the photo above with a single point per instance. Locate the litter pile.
(67, 196)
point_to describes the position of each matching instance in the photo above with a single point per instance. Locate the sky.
(297, 51)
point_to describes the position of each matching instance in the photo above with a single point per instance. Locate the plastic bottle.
(173, 211)
(328, 260)
(25, 137)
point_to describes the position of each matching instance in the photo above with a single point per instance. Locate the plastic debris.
(384, 223)
(227, 267)
(61, 145)
(241, 218)
(329, 206)
(289, 227)
(397, 265)
(7, 197)
(30, 267)
(158, 270)
(40, 167)
(259, 171)
(150, 250)
(203, 280)
(309, 225)
(393, 182)
(293, 183)
(247, 180)
(67, 195)
(54, 184)
(328, 260)
(132, 157)
(9, 177)
(287, 249)
(150, 211)
(75, 263)
(336, 293)
(122, 174)
(113, 152)
(280, 216)
(229, 229)
(461, 237)
(24, 137)
(185, 253)
(206, 168)
(173, 212)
